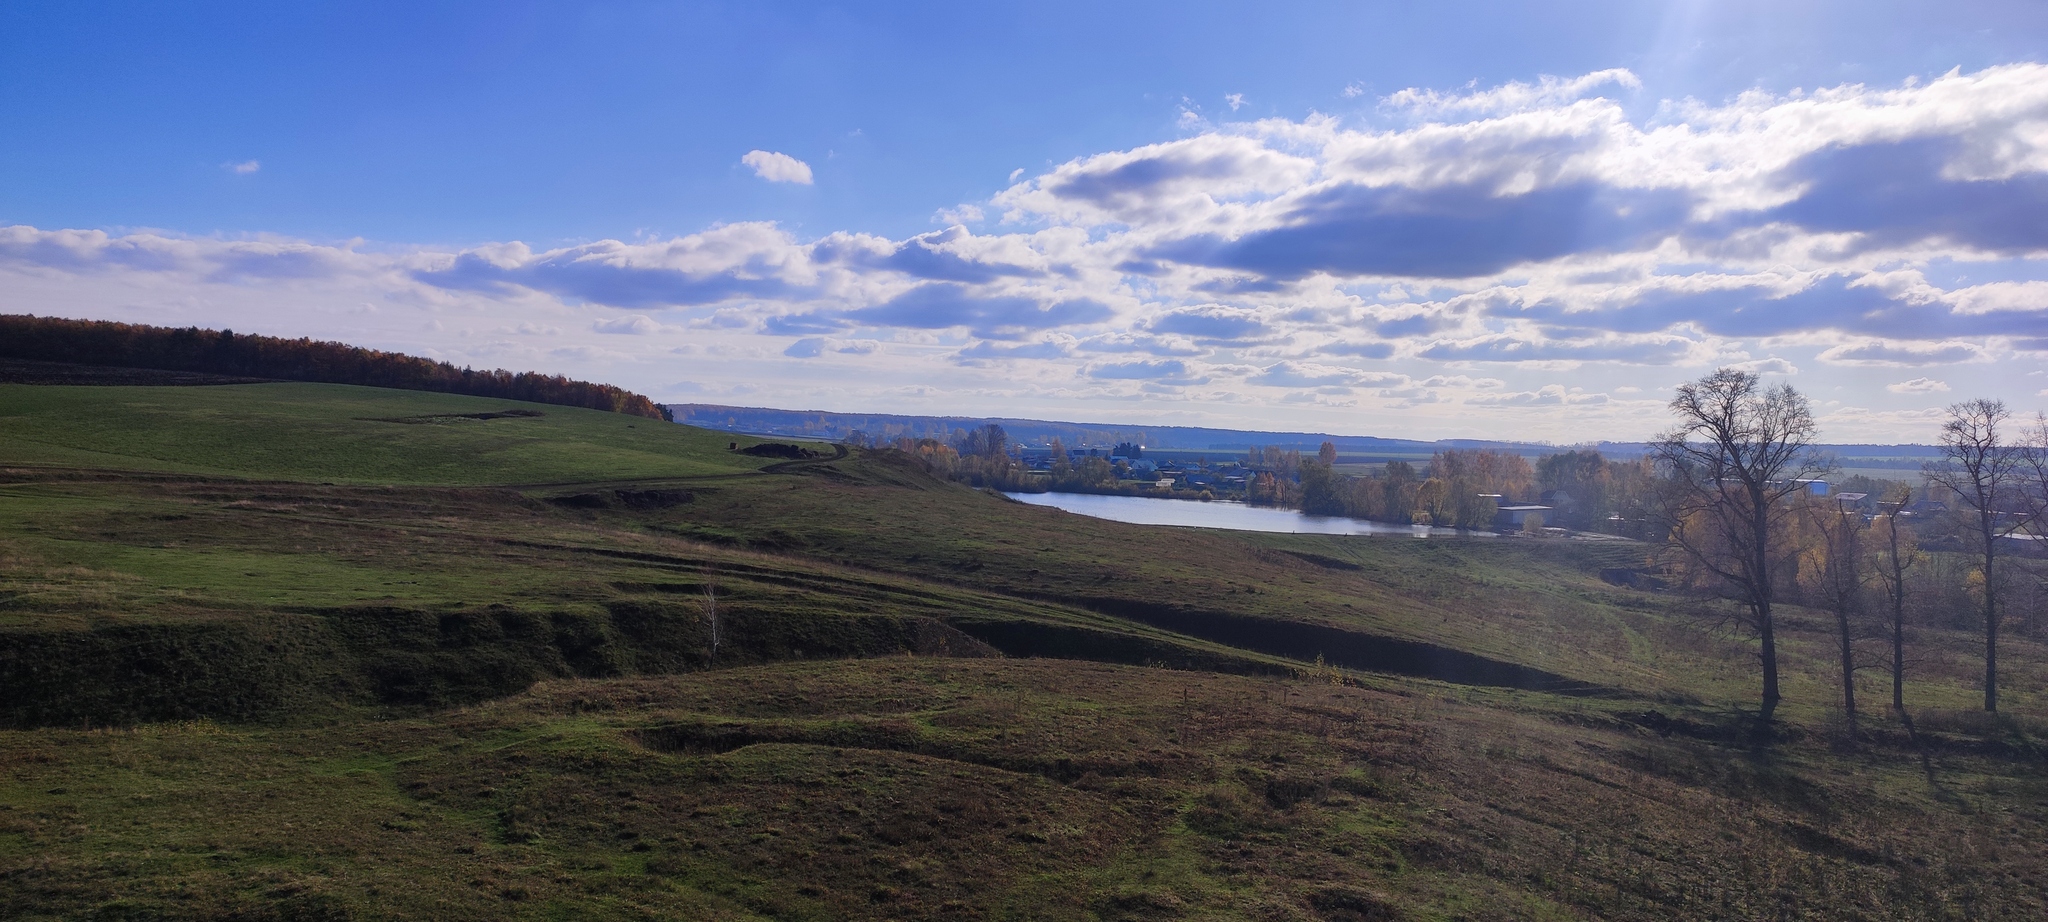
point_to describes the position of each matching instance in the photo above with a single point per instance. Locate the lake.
(1141, 510)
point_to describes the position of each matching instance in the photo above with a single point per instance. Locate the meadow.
(292, 651)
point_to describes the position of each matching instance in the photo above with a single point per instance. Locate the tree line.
(1460, 488)
(224, 352)
(1740, 519)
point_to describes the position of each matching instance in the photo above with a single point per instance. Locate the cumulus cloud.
(1175, 181)
(1918, 386)
(735, 261)
(954, 255)
(778, 167)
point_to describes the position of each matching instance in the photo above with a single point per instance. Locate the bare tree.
(1981, 469)
(1897, 553)
(1837, 578)
(1737, 455)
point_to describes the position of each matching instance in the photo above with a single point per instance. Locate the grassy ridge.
(123, 601)
(343, 434)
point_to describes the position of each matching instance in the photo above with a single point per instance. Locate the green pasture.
(344, 434)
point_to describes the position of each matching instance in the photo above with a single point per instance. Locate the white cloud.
(1236, 101)
(1177, 181)
(1550, 395)
(2027, 296)
(1548, 91)
(243, 168)
(1903, 354)
(1769, 366)
(633, 324)
(1305, 374)
(1918, 386)
(959, 214)
(777, 167)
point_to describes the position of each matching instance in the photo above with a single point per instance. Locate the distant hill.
(821, 424)
(223, 353)
(1032, 432)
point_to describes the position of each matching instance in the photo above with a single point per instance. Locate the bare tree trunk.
(1899, 651)
(1848, 666)
(1767, 630)
(1768, 635)
(1891, 572)
(1839, 580)
(1990, 628)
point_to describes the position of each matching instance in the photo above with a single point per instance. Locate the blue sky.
(1526, 220)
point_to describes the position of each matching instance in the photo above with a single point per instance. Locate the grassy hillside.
(342, 434)
(354, 653)
(945, 789)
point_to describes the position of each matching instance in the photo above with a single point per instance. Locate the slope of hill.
(356, 653)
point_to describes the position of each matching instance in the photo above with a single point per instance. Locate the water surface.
(1143, 510)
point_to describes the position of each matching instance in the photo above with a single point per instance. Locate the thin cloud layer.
(1509, 234)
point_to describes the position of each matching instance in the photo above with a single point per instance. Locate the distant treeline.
(223, 352)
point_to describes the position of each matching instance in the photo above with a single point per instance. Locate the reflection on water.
(1141, 510)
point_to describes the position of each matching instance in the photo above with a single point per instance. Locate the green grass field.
(341, 434)
(322, 652)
